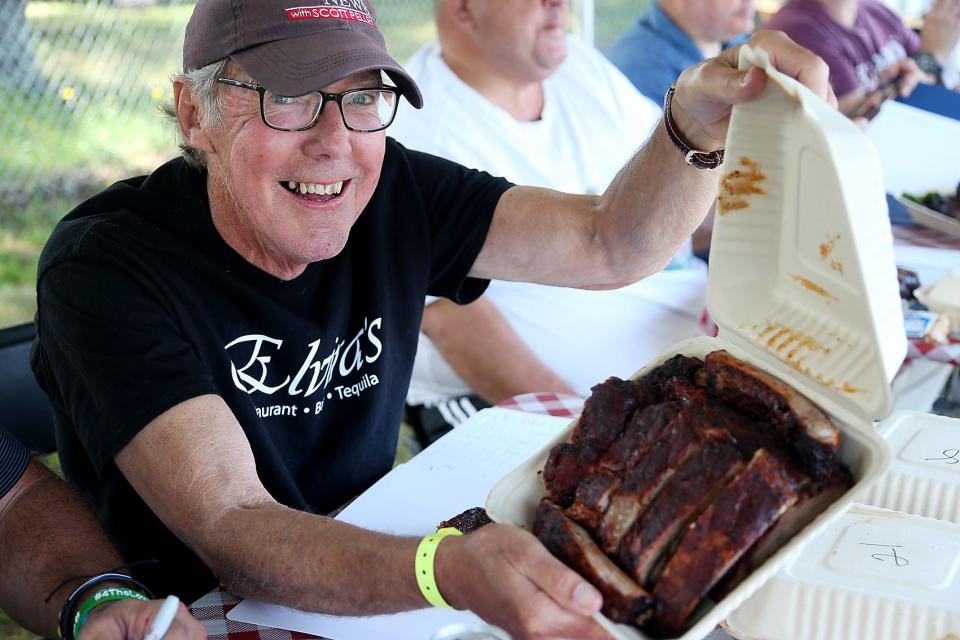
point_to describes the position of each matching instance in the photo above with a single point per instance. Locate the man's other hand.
(130, 620)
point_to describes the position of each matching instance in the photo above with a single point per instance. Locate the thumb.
(748, 85)
(704, 97)
(719, 85)
(564, 585)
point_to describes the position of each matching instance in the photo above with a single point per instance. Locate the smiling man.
(227, 349)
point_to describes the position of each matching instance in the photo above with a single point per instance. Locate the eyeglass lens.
(362, 109)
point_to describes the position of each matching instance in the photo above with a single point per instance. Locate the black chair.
(24, 407)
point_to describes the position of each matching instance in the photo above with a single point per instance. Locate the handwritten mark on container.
(950, 456)
(893, 555)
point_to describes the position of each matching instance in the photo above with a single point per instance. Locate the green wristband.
(102, 596)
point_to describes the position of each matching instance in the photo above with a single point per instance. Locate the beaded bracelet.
(65, 629)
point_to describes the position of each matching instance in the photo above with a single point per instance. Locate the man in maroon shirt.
(872, 55)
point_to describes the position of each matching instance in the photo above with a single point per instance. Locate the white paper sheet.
(918, 149)
(453, 474)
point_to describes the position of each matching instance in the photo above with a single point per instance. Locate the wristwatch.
(928, 63)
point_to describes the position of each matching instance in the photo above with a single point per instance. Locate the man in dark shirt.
(48, 539)
(227, 343)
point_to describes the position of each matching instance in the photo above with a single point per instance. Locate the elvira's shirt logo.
(344, 357)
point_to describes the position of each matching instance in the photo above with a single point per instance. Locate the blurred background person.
(507, 90)
(675, 34)
(872, 54)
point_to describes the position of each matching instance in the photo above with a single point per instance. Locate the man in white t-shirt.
(507, 90)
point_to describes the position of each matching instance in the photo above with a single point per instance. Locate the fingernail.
(587, 596)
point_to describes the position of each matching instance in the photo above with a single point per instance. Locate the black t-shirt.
(143, 306)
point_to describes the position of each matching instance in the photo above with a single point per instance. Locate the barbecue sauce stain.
(826, 248)
(809, 285)
(738, 185)
(800, 346)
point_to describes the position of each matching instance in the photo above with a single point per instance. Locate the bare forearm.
(313, 563)
(213, 500)
(655, 203)
(484, 350)
(600, 242)
(46, 536)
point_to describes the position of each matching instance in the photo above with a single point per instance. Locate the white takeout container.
(836, 590)
(793, 290)
(924, 474)
(873, 574)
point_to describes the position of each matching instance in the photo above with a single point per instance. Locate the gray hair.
(205, 91)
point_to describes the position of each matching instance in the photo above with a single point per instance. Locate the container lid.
(924, 473)
(802, 271)
(874, 573)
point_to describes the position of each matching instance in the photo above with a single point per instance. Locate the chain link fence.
(80, 86)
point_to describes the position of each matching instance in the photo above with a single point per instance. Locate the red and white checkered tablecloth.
(562, 405)
(212, 609)
(945, 353)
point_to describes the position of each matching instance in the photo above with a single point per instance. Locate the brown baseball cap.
(292, 48)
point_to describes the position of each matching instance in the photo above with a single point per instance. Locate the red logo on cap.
(354, 10)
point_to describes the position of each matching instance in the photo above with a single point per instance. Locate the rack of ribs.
(604, 477)
(681, 483)
(643, 481)
(740, 514)
(773, 401)
(812, 499)
(605, 415)
(623, 599)
(689, 491)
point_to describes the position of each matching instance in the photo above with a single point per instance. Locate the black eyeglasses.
(368, 109)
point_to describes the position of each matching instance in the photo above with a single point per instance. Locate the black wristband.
(64, 628)
(698, 159)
